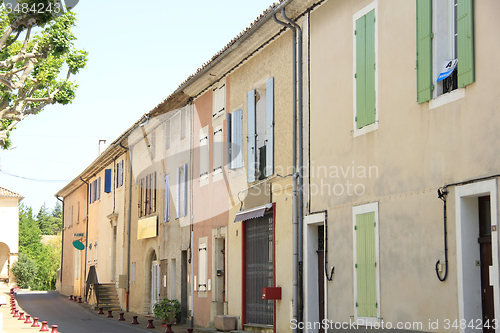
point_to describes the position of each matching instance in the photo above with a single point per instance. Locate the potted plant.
(167, 310)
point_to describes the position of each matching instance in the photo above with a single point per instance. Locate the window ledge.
(444, 99)
(366, 129)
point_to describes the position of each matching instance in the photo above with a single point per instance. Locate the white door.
(154, 284)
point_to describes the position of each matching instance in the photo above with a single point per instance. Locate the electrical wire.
(34, 179)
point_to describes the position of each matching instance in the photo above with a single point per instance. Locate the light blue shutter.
(91, 190)
(184, 206)
(269, 127)
(121, 173)
(178, 195)
(98, 188)
(251, 136)
(237, 139)
(228, 141)
(167, 195)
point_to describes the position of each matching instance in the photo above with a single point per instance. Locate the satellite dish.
(78, 245)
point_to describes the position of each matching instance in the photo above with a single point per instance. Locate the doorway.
(486, 261)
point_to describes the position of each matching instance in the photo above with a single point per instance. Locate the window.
(235, 139)
(181, 192)
(95, 253)
(219, 99)
(167, 135)
(89, 254)
(444, 34)
(217, 155)
(366, 263)
(365, 101)
(147, 195)
(260, 131)
(95, 190)
(119, 174)
(107, 180)
(204, 156)
(166, 213)
(202, 264)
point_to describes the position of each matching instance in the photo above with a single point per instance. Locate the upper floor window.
(235, 139)
(219, 99)
(95, 190)
(445, 53)
(365, 101)
(108, 180)
(147, 194)
(260, 131)
(204, 156)
(218, 157)
(119, 174)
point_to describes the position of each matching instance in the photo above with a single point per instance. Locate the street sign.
(79, 234)
(78, 245)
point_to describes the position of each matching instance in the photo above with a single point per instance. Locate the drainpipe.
(295, 176)
(129, 222)
(86, 237)
(300, 159)
(62, 241)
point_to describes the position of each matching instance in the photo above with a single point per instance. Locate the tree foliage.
(31, 68)
(24, 269)
(45, 256)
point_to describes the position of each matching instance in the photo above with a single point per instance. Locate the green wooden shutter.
(360, 71)
(269, 170)
(465, 43)
(424, 51)
(251, 136)
(365, 70)
(366, 265)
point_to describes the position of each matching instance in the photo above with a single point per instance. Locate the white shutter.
(204, 156)
(202, 266)
(178, 194)
(185, 194)
(167, 192)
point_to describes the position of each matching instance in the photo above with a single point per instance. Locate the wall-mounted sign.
(78, 234)
(448, 68)
(147, 228)
(79, 245)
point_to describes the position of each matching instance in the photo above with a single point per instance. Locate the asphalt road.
(72, 317)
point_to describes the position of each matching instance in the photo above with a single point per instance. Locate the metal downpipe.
(300, 157)
(294, 158)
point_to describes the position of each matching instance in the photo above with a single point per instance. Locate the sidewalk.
(10, 324)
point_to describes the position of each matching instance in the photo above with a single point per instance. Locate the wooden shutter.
(167, 198)
(424, 51)
(202, 266)
(251, 136)
(465, 42)
(365, 70)
(98, 188)
(366, 265)
(153, 190)
(237, 139)
(269, 170)
(228, 140)
(185, 194)
(178, 194)
(107, 180)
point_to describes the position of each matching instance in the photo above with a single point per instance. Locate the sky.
(139, 53)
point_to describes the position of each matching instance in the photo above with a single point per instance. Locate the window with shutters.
(95, 190)
(445, 48)
(366, 264)
(147, 195)
(218, 156)
(219, 99)
(166, 212)
(119, 174)
(204, 156)
(365, 71)
(260, 131)
(202, 265)
(235, 139)
(181, 191)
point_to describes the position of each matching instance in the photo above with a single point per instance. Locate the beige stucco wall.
(415, 150)
(274, 60)
(71, 284)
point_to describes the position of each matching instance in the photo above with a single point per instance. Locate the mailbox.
(272, 293)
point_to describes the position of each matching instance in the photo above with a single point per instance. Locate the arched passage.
(151, 270)
(4, 261)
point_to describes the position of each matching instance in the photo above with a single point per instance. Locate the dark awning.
(252, 213)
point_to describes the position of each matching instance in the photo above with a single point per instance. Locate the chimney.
(102, 146)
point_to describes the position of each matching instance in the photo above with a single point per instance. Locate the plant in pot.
(167, 310)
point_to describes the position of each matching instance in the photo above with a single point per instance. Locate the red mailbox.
(272, 293)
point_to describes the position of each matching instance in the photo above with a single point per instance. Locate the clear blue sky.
(139, 53)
